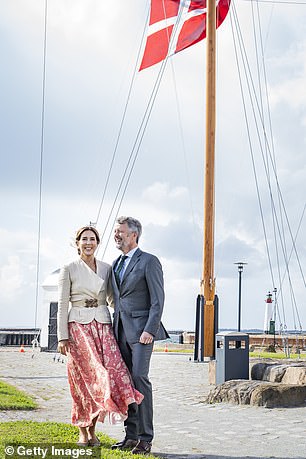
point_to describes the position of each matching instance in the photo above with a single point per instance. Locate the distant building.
(48, 337)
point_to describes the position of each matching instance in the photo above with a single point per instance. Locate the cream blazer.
(77, 282)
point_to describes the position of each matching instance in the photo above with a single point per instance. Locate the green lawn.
(276, 355)
(29, 435)
(256, 354)
(14, 399)
(29, 439)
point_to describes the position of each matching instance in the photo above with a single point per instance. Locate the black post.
(274, 340)
(202, 328)
(197, 329)
(216, 322)
(239, 300)
(240, 269)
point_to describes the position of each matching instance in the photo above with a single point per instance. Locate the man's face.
(125, 239)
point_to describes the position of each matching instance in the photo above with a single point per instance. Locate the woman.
(99, 380)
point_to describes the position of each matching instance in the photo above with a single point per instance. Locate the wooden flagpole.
(208, 279)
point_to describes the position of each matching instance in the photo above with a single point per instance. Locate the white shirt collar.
(131, 252)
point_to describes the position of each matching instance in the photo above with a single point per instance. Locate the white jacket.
(77, 282)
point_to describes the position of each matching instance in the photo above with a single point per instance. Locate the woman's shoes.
(83, 443)
(94, 442)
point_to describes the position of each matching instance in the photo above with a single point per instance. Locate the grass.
(29, 435)
(276, 355)
(24, 438)
(14, 399)
(255, 354)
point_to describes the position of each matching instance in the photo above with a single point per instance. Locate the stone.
(286, 373)
(276, 395)
(295, 375)
(264, 371)
(237, 391)
(258, 393)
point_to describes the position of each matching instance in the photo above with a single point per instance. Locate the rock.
(259, 370)
(272, 395)
(292, 373)
(295, 375)
(258, 393)
(272, 372)
(237, 391)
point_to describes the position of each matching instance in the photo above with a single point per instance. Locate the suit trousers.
(137, 356)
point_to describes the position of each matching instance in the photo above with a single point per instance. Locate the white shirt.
(127, 260)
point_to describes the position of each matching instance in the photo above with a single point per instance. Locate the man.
(139, 299)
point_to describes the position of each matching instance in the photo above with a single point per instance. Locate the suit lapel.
(114, 282)
(134, 260)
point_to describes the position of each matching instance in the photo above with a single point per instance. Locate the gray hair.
(133, 225)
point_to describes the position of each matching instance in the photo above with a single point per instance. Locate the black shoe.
(126, 444)
(143, 447)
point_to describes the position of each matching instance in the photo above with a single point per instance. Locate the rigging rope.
(138, 141)
(121, 123)
(249, 79)
(41, 160)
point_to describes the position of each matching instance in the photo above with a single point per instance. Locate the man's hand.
(63, 346)
(146, 338)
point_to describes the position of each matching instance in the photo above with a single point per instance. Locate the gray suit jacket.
(139, 301)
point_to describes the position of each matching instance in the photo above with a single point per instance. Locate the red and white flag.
(175, 25)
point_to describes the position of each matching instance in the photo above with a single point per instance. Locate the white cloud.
(11, 280)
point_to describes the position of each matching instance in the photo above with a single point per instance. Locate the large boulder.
(286, 373)
(234, 391)
(258, 393)
(272, 372)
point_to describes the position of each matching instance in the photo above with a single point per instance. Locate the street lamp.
(275, 304)
(240, 265)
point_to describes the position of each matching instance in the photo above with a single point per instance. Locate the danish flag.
(175, 25)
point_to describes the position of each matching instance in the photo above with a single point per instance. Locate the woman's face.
(87, 244)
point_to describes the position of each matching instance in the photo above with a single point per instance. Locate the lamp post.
(240, 265)
(274, 341)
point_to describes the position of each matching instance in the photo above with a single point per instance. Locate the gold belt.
(91, 303)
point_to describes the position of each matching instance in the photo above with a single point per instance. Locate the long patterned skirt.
(99, 380)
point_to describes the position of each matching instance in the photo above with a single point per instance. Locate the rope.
(137, 143)
(41, 161)
(121, 123)
(134, 152)
(265, 159)
(271, 137)
(183, 144)
(248, 131)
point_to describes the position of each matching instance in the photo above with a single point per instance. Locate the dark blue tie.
(119, 268)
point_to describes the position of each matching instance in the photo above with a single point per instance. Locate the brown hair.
(86, 228)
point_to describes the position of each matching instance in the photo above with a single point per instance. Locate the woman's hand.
(63, 346)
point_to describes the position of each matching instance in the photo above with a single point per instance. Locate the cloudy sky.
(91, 55)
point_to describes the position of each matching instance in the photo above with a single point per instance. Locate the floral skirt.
(99, 380)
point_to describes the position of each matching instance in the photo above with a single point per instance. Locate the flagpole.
(208, 279)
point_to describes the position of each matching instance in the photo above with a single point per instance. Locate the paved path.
(185, 427)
